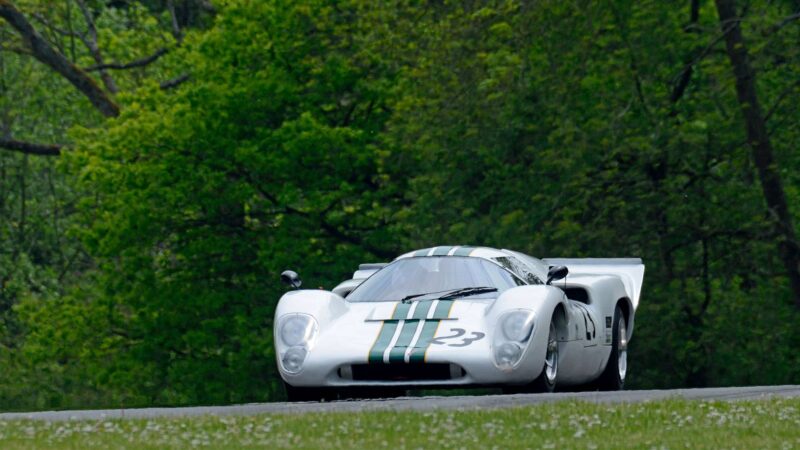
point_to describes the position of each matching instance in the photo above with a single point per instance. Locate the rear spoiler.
(364, 271)
(629, 270)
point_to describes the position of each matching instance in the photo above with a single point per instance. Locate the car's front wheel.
(613, 378)
(546, 381)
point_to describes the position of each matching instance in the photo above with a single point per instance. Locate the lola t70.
(459, 316)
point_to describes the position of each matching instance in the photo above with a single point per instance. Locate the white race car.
(458, 316)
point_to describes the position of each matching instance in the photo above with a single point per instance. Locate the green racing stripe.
(441, 251)
(401, 311)
(384, 338)
(463, 251)
(398, 352)
(387, 332)
(423, 306)
(429, 328)
(410, 327)
(423, 252)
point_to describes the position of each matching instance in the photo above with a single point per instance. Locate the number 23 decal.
(459, 332)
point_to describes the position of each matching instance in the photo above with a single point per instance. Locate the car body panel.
(459, 335)
(630, 271)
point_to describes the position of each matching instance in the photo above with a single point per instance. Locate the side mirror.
(556, 273)
(291, 278)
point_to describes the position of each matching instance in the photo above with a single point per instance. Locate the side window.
(501, 277)
(517, 267)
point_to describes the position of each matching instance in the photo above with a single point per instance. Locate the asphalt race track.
(420, 403)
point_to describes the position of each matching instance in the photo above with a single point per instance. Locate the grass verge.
(658, 424)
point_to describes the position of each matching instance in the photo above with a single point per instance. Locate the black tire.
(308, 394)
(546, 381)
(613, 377)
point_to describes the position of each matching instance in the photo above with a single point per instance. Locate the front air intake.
(404, 372)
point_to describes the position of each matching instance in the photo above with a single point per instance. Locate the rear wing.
(629, 270)
(364, 271)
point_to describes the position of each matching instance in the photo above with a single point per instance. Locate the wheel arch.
(628, 312)
(560, 318)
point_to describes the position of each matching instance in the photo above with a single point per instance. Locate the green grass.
(662, 424)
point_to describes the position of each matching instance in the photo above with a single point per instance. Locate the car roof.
(456, 250)
(538, 267)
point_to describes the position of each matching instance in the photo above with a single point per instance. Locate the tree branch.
(681, 81)
(687, 69)
(31, 148)
(87, 16)
(176, 28)
(133, 64)
(47, 55)
(780, 99)
(169, 84)
(43, 20)
(329, 228)
(91, 42)
(14, 49)
(786, 21)
(681, 84)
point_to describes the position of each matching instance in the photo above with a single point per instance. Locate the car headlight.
(297, 329)
(296, 334)
(510, 340)
(293, 359)
(507, 354)
(517, 325)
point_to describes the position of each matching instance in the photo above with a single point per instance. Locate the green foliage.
(46, 276)
(318, 136)
(204, 194)
(581, 149)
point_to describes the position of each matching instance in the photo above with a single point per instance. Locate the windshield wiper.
(407, 298)
(464, 292)
(452, 293)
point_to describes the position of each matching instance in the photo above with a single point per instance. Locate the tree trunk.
(759, 142)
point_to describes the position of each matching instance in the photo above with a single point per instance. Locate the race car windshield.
(410, 277)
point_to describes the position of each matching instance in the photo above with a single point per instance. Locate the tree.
(759, 140)
(604, 132)
(60, 24)
(45, 53)
(267, 159)
(41, 261)
(317, 136)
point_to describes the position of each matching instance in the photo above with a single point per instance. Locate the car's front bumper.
(338, 363)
